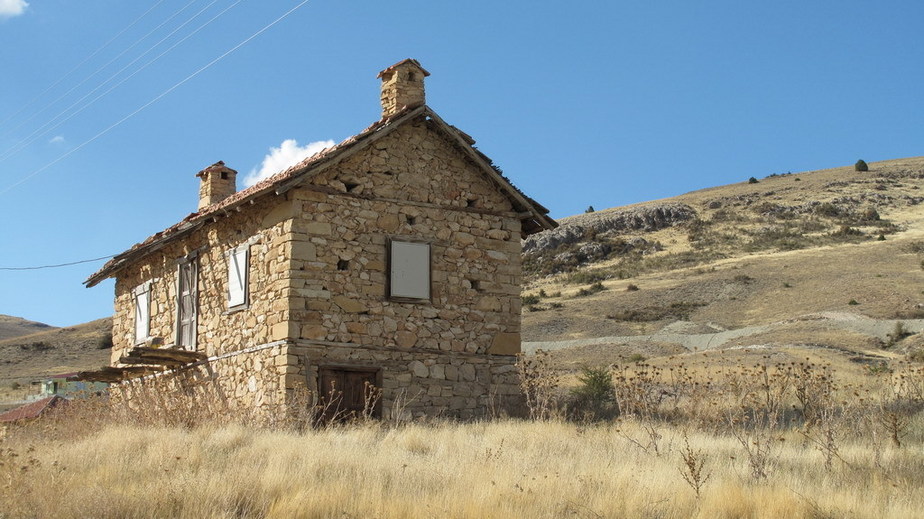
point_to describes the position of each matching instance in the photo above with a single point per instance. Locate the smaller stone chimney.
(217, 183)
(402, 85)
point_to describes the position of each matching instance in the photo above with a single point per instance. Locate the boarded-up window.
(187, 303)
(409, 270)
(142, 295)
(238, 261)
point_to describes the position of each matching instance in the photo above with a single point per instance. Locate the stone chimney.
(402, 85)
(217, 183)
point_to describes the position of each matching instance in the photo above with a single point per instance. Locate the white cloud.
(11, 8)
(287, 154)
(57, 139)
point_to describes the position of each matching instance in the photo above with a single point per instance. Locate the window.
(187, 302)
(142, 295)
(409, 270)
(238, 262)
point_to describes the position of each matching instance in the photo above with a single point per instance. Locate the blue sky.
(580, 103)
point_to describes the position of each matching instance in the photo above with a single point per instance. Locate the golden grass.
(477, 470)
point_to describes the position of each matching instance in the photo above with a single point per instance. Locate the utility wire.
(158, 98)
(98, 70)
(59, 265)
(71, 71)
(43, 129)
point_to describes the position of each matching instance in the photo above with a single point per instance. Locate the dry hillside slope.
(28, 358)
(817, 263)
(15, 326)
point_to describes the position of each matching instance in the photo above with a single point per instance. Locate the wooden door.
(348, 393)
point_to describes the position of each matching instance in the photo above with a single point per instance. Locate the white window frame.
(141, 296)
(410, 269)
(239, 275)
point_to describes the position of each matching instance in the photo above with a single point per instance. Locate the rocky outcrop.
(581, 227)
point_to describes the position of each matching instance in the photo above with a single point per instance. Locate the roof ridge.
(281, 181)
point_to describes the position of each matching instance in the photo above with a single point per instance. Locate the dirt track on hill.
(675, 333)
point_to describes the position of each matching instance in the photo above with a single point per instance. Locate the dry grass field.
(726, 440)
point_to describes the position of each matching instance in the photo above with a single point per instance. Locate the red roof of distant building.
(33, 410)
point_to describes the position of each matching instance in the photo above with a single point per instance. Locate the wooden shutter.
(237, 275)
(344, 391)
(187, 302)
(409, 270)
(142, 312)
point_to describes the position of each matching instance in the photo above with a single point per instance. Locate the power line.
(88, 58)
(44, 130)
(157, 98)
(58, 265)
(97, 71)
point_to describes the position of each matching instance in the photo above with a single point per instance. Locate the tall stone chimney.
(402, 85)
(217, 183)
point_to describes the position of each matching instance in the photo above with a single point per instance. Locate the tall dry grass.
(492, 469)
(685, 447)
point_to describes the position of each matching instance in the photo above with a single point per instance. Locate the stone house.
(390, 259)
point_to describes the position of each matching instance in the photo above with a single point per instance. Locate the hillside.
(820, 264)
(15, 326)
(27, 358)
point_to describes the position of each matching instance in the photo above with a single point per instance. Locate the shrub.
(585, 277)
(104, 342)
(847, 231)
(827, 209)
(852, 302)
(752, 180)
(595, 398)
(529, 299)
(590, 209)
(637, 358)
(870, 214)
(679, 310)
(899, 333)
(631, 287)
(860, 166)
(592, 289)
(36, 346)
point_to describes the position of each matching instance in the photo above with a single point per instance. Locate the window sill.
(409, 300)
(236, 309)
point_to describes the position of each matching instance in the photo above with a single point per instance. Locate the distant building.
(33, 410)
(65, 385)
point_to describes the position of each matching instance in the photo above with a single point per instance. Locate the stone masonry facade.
(317, 275)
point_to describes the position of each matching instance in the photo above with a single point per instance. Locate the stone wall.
(249, 385)
(219, 330)
(410, 185)
(417, 383)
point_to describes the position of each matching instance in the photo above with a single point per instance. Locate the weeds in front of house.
(762, 440)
